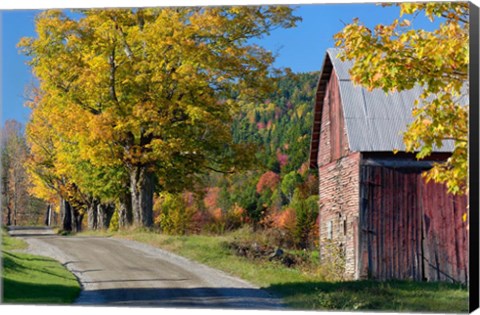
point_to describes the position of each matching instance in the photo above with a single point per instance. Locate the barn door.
(445, 242)
(391, 225)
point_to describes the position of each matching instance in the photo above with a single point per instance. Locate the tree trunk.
(141, 188)
(109, 211)
(67, 216)
(101, 216)
(92, 214)
(9, 216)
(125, 215)
(104, 215)
(14, 211)
(48, 215)
(78, 221)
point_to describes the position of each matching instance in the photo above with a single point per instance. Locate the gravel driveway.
(121, 272)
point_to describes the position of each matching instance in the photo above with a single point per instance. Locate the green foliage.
(175, 216)
(306, 212)
(289, 183)
(281, 124)
(114, 221)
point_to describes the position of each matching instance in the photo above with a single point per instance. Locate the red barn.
(376, 209)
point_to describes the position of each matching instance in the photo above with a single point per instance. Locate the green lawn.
(304, 288)
(29, 279)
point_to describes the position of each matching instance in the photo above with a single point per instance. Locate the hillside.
(277, 192)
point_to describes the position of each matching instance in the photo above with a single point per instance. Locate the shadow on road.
(33, 235)
(30, 231)
(130, 280)
(232, 298)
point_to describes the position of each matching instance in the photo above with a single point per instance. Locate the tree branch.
(113, 68)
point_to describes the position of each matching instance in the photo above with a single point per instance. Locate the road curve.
(120, 272)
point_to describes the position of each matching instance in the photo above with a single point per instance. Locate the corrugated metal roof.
(374, 120)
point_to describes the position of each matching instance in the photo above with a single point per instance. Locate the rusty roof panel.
(375, 121)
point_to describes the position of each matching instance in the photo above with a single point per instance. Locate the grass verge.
(304, 288)
(30, 279)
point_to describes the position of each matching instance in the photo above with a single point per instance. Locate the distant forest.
(279, 192)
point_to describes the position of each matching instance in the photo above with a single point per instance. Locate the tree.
(289, 182)
(155, 89)
(15, 198)
(397, 57)
(49, 177)
(268, 181)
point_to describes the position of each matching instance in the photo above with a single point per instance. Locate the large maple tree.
(147, 95)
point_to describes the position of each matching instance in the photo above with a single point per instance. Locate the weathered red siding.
(446, 235)
(333, 134)
(339, 182)
(410, 229)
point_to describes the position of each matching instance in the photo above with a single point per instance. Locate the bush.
(114, 221)
(332, 266)
(298, 221)
(175, 216)
(224, 221)
(306, 214)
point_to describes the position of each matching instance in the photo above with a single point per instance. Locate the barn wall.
(333, 134)
(339, 183)
(339, 200)
(446, 234)
(410, 229)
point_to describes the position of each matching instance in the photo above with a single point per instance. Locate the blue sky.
(301, 48)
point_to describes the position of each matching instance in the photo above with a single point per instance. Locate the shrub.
(175, 216)
(114, 221)
(306, 213)
(332, 266)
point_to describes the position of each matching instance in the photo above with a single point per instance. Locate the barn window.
(345, 227)
(330, 230)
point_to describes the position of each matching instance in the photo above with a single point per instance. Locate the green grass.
(12, 243)
(304, 288)
(30, 279)
(405, 296)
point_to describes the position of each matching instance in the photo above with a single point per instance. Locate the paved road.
(120, 272)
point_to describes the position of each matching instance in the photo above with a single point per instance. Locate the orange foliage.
(211, 203)
(303, 168)
(268, 180)
(217, 214)
(211, 197)
(285, 219)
